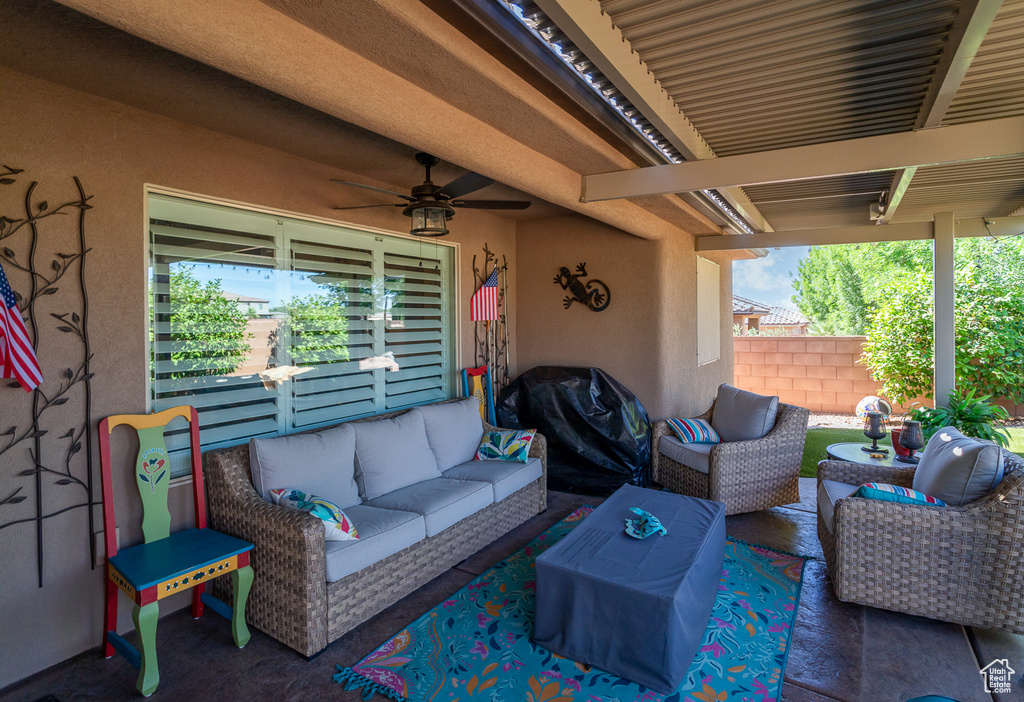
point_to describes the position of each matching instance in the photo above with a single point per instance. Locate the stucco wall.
(55, 133)
(645, 339)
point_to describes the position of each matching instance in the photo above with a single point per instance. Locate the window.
(709, 318)
(269, 324)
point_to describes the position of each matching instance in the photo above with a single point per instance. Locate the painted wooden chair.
(476, 382)
(165, 563)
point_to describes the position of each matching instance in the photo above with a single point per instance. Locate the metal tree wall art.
(28, 469)
(491, 341)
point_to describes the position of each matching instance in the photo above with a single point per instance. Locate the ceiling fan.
(431, 206)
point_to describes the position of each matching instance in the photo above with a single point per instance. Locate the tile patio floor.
(839, 651)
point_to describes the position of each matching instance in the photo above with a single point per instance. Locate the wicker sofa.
(746, 475)
(960, 564)
(291, 598)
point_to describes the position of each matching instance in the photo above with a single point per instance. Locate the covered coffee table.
(635, 608)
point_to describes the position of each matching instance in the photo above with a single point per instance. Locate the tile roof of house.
(784, 317)
(242, 298)
(769, 315)
(741, 305)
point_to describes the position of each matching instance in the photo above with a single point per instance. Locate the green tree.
(840, 287)
(989, 327)
(208, 332)
(319, 328)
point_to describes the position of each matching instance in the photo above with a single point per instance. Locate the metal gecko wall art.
(26, 471)
(594, 294)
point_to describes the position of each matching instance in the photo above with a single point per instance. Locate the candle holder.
(875, 428)
(912, 439)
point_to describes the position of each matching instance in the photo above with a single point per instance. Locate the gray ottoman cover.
(635, 608)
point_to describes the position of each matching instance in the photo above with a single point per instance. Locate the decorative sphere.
(873, 404)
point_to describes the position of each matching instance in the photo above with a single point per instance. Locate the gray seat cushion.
(504, 476)
(829, 492)
(741, 416)
(392, 454)
(320, 464)
(441, 501)
(454, 430)
(958, 469)
(696, 456)
(382, 532)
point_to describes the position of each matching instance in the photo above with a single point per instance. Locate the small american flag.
(484, 304)
(17, 357)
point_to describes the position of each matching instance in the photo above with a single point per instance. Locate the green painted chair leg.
(145, 619)
(241, 581)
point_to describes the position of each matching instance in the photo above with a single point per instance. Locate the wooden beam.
(974, 17)
(958, 143)
(869, 234)
(944, 291)
(897, 189)
(593, 32)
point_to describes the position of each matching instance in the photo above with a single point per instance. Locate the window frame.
(456, 297)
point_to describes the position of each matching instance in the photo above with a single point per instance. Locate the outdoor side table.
(850, 451)
(637, 608)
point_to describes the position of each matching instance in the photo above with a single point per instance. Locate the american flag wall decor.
(483, 306)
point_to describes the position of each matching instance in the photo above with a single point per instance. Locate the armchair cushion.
(958, 469)
(696, 456)
(895, 493)
(830, 492)
(742, 416)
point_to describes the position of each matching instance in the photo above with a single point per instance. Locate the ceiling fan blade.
(363, 207)
(375, 189)
(491, 204)
(465, 184)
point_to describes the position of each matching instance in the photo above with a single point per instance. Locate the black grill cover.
(599, 436)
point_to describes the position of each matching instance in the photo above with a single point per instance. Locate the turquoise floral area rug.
(476, 645)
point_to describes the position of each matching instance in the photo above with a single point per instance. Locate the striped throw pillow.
(895, 493)
(694, 431)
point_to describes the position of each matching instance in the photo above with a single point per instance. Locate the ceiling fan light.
(429, 221)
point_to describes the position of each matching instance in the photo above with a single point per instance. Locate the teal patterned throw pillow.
(505, 446)
(337, 525)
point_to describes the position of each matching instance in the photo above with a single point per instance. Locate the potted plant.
(971, 416)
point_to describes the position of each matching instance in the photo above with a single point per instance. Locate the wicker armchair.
(957, 564)
(746, 475)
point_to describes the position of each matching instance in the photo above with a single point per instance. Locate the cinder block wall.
(819, 373)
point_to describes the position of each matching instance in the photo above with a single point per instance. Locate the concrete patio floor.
(838, 652)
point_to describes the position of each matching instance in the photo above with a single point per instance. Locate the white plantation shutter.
(336, 305)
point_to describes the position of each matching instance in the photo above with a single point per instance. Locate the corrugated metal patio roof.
(752, 76)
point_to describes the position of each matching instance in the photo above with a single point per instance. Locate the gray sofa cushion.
(392, 454)
(505, 477)
(741, 416)
(319, 464)
(958, 469)
(453, 430)
(829, 492)
(696, 456)
(382, 532)
(441, 501)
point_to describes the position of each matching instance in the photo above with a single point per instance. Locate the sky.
(769, 280)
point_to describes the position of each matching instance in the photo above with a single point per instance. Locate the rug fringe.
(771, 548)
(354, 681)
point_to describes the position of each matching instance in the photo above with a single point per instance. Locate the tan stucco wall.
(55, 133)
(645, 338)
